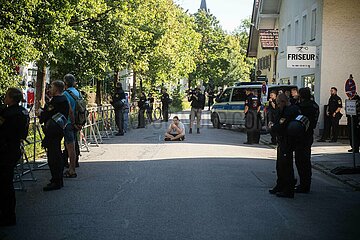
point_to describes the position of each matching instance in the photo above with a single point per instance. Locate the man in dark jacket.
(252, 117)
(58, 106)
(118, 102)
(14, 123)
(197, 100)
(165, 100)
(309, 109)
(332, 117)
(284, 164)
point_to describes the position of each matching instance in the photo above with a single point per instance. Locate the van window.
(225, 97)
(239, 94)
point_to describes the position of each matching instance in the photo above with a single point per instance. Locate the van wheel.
(216, 121)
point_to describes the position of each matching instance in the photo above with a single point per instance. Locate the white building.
(332, 26)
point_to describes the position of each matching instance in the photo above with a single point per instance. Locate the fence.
(100, 125)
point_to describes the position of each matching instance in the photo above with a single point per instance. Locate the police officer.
(14, 124)
(284, 164)
(332, 117)
(252, 117)
(355, 125)
(165, 100)
(58, 106)
(118, 102)
(142, 109)
(310, 109)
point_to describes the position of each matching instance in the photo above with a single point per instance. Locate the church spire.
(203, 5)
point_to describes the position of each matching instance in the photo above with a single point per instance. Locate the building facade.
(332, 26)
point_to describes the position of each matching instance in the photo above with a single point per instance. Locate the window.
(238, 95)
(288, 37)
(303, 38)
(282, 42)
(297, 40)
(309, 81)
(313, 25)
(225, 97)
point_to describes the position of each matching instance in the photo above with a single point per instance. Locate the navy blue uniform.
(332, 122)
(14, 123)
(252, 119)
(284, 163)
(117, 98)
(310, 109)
(165, 106)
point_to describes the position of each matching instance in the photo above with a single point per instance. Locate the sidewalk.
(328, 156)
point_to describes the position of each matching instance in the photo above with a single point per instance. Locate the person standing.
(126, 112)
(355, 125)
(142, 109)
(332, 117)
(54, 117)
(284, 163)
(71, 130)
(211, 96)
(197, 100)
(309, 109)
(272, 112)
(14, 124)
(118, 102)
(150, 107)
(252, 117)
(294, 99)
(165, 100)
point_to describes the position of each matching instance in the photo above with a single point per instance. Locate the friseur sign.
(301, 56)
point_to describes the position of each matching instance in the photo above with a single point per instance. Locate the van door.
(237, 106)
(222, 106)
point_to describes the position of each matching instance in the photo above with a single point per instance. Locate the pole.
(353, 139)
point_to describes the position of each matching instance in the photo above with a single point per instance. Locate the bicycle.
(157, 112)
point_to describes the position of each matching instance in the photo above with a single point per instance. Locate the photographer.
(197, 100)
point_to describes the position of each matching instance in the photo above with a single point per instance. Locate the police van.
(230, 105)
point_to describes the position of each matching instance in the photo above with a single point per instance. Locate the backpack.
(80, 112)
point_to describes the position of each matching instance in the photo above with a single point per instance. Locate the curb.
(342, 178)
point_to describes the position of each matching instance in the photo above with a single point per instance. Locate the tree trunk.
(98, 92)
(40, 84)
(116, 77)
(141, 85)
(133, 94)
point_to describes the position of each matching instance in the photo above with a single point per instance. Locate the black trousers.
(331, 124)
(119, 119)
(141, 118)
(7, 193)
(55, 160)
(253, 126)
(303, 159)
(284, 167)
(165, 113)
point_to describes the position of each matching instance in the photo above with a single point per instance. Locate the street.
(211, 186)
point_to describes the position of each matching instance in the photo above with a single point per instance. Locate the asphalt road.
(209, 187)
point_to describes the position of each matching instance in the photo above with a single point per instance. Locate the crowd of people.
(291, 116)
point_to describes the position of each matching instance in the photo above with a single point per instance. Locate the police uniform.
(165, 106)
(284, 163)
(355, 126)
(52, 139)
(117, 98)
(14, 123)
(252, 119)
(331, 122)
(303, 144)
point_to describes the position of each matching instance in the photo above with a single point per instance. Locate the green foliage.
(177, 100)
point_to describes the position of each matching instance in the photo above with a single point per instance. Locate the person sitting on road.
(176, 131)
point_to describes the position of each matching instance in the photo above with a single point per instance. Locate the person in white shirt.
(176, 131)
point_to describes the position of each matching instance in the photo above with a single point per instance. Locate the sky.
(228, 12)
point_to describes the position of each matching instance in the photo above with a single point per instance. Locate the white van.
(229, 107)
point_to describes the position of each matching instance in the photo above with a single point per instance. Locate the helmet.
(298, 126)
